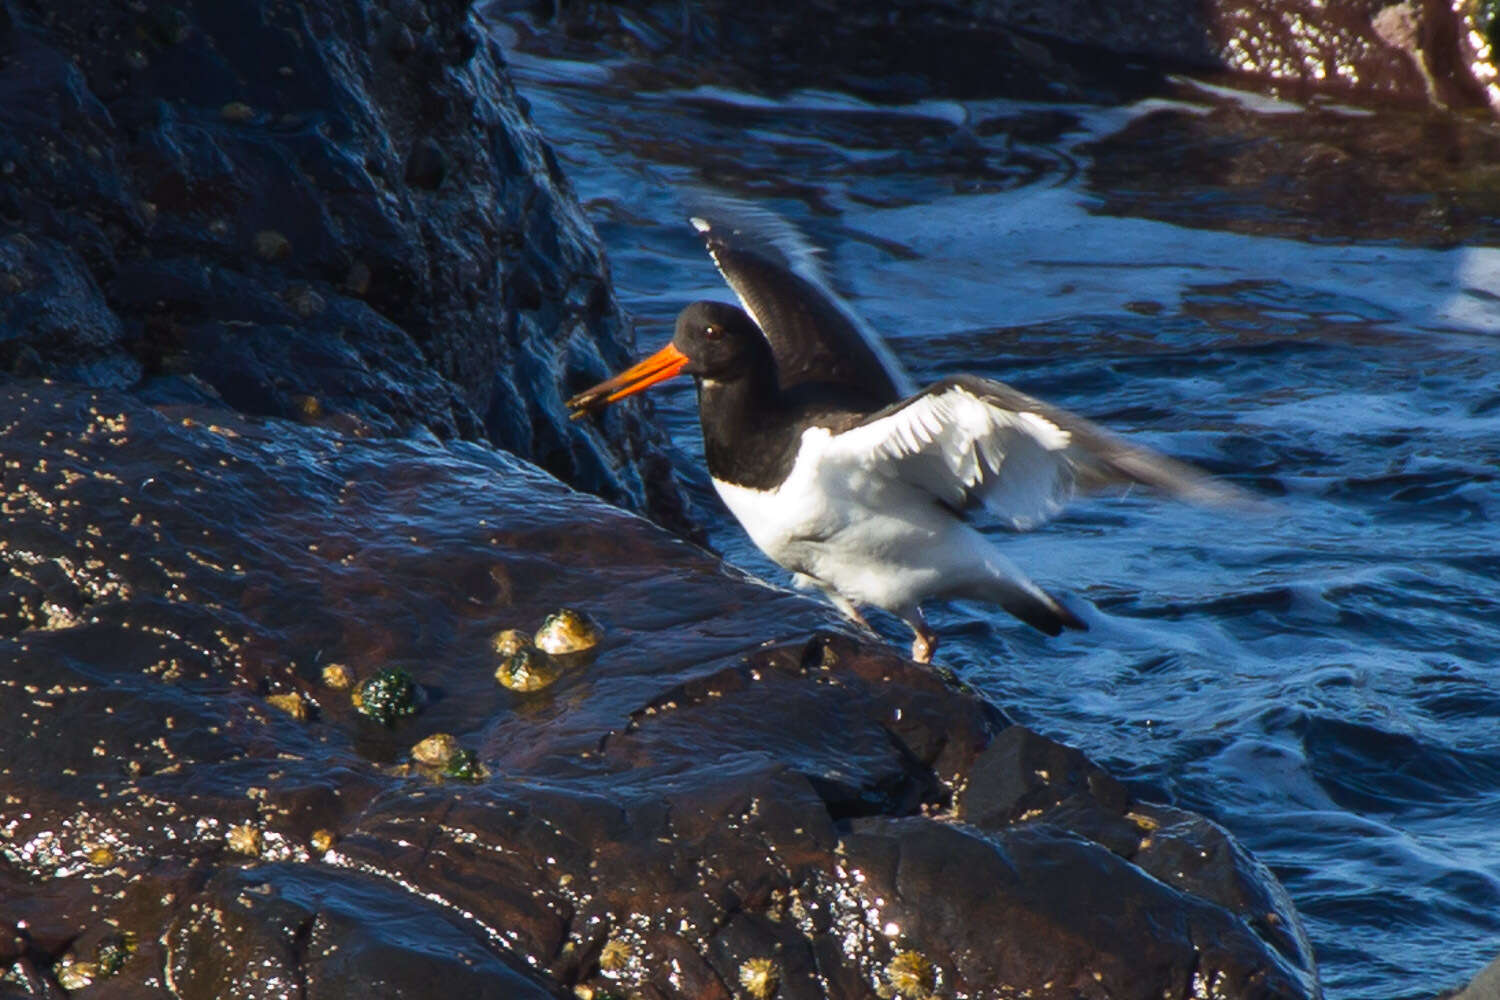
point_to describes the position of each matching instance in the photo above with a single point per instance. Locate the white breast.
(799, 510)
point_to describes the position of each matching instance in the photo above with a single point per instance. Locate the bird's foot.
(925, 644)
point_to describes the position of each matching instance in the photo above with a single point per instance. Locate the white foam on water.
(1038, 254)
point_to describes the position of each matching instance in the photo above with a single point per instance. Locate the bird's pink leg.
(848, 610)
(924, 646)
(926, 641)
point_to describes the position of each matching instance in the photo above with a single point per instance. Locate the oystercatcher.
(860, 493)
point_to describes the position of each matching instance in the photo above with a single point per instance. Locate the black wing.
(813, 334)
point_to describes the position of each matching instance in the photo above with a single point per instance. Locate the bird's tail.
(1039, 609)
(1009, 588)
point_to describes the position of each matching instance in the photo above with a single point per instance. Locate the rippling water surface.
(1221, 278)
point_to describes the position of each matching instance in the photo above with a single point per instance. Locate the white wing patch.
(961, 450)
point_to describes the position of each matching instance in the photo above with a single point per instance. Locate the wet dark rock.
(1417, 178)
(427, 165)
(293, 202)
(333, 934)
(54, 317)
(891, 51)
(397, 38)
(1036, 904)
(1024, 777)
(1403, 52)
(692, 799)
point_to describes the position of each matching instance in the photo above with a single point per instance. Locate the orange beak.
(661, 366)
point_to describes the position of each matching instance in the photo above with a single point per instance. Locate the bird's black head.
(716, 342)
(720, 341)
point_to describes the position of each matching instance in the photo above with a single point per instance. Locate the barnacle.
(527, 670)
(911, 975)
(568, 631)
(759, 977)
(337, 676)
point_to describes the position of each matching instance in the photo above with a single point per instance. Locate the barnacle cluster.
(75, 973)
(531, 663)
(440, 752)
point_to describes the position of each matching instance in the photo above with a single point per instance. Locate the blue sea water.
(1322, 678)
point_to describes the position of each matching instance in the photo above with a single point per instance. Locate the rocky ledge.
(724, 798)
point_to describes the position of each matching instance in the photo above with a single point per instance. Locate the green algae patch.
(387, 696)
(464, 766)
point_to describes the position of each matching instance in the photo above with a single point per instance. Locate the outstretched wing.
(814, 335)
(971, 441)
